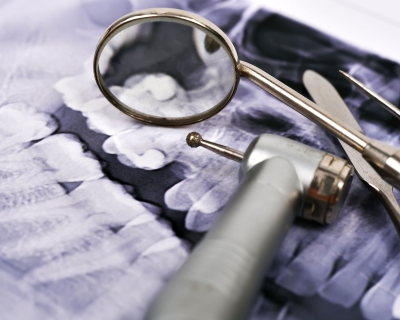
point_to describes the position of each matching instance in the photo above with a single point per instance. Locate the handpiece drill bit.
(195, 140)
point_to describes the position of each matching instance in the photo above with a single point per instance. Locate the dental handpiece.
(280, 179)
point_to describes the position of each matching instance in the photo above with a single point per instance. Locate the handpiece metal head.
(325, 178)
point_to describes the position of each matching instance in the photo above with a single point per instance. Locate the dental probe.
(280, 179)
(381, 100)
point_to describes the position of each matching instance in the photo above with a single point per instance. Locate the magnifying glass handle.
(304, 106)
(222, 277)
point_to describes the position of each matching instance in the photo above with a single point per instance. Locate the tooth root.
(191, 192)
(290, 248)
(308, 271)
(379, 301)
(337, 289)
(203, 213)
(356, 274)
(396, 308)
(147, 275)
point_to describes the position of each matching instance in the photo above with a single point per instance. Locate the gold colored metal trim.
(328, 190)
(171, 15)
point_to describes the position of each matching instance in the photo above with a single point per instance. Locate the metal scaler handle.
(222, 277)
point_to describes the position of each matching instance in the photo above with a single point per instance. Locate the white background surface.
(373, 25)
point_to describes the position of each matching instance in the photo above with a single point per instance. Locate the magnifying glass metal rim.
(166, 15)
(385, 158)
(242, 69)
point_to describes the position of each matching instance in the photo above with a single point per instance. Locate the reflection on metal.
(166, 15)
(195, 140)
(381, 100)
(328, 98)
(328, 190)
(384, 158)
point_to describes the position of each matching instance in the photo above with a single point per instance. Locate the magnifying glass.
(170, 67)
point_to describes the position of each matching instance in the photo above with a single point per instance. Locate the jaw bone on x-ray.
(98, 210)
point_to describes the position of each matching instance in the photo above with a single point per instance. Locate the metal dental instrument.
(173, 49)
(280, 178)
(381, 100)
(195, 140)
(326, 96)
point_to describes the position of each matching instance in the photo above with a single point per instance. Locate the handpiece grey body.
(221, 278)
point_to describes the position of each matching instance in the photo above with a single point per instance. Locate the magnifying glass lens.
(166, 70)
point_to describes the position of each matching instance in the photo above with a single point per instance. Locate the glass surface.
(166, 69)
